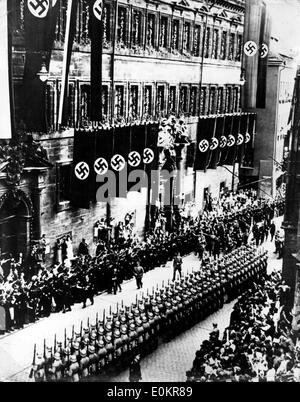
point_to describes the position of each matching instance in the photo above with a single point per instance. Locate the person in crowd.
(83, 248)
(135, 374)
(272, 230)
(138, 273)
(177, 265)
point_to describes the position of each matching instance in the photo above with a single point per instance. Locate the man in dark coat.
(83, 248)
(138, 273)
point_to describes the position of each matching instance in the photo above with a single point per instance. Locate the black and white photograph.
(149, 193)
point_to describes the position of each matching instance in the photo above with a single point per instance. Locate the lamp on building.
(43, 73)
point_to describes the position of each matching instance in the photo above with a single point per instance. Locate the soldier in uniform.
(56, 369)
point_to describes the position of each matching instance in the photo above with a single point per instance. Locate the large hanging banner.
(215, 143)
(40, 18)
(232, 140)
(83, 178)
(206, 128)
(118, 162)
(137, 146)
(103, 154)
(249, 140)
(151, 152)
(242, 137)
(225, 138)
(190, 155)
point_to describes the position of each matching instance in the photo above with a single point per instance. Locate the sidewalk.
(16, 349)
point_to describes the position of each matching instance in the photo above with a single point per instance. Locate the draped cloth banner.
(137, 146)
(83, 178)
(118, 162)
(215, 143)
(242, 137)
(206, 128)
(190, 155)
(103, 155)
(232, 141)
(151, 152)
(225, 138)
(249, 140)
(39, 23)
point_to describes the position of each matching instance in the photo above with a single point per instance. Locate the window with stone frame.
(136, 31)
(163, 33)
(203, 96)
(215, 49)
(207, 43)
(104, 101)
(175, 35)
(231, 46)
(71, 104)
(193, 101)
(82, 23)
(229, 100)
(236, 100)
(148, 100)
(197, 41)
(212, 100)
(50, 105)
(183, 99)
(133, 100)
(119, 101)
(239, 48)
(172, 100)
(186, 36)
(223, 54)
(150, 31)
(220, 108)
(63, 184)
(18, 17)
(84, 103)
(106, 23)
(61, 20)
(122, 25)
(160, 99)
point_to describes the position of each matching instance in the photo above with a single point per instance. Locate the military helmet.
(132, 327)
(91, 349)
(73, 358)
(82, 352)
(57, 356)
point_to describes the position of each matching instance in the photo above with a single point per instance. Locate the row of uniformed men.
(113, 342)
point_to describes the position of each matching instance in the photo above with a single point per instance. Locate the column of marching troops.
(109, 345)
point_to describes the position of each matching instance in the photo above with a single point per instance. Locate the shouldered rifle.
(33, 362)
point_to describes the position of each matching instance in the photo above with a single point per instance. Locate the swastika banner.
(82, 183)
(40, 18)
(224, 139)
(232, 141)
(242, 132)
(206, 130)
(137, 146)
(216, 151)
(151, 152)
(119, 160)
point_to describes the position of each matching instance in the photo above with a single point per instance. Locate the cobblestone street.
(168, 363)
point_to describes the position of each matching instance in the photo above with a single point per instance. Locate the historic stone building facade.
(158, 65)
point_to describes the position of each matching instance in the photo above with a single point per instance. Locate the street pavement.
(168, 363)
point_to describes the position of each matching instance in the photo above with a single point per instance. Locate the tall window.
(229, 100)
(106, 23)
(119, 101)
(183, 100)
(175, 35)
(236, 99)
(133, 100)
(122, 24)
(136, 33)
(150, 30)
(203, 101)
(223, 45)
(160, 99)
(220, 101)
(207, 43)
(71, 104)
(215, 51)
(212, 101)
(104, 101)
(239, 48)
(186, 36)
(231, 46)
(193, 101)
(163, 34)
(148, 100)
(85, 103)
(197, 39)
(82, 23)
(64, 174)
(61, 21)
(50, 105)
(172, 100)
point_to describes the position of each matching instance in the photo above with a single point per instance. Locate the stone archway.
(16, 213)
